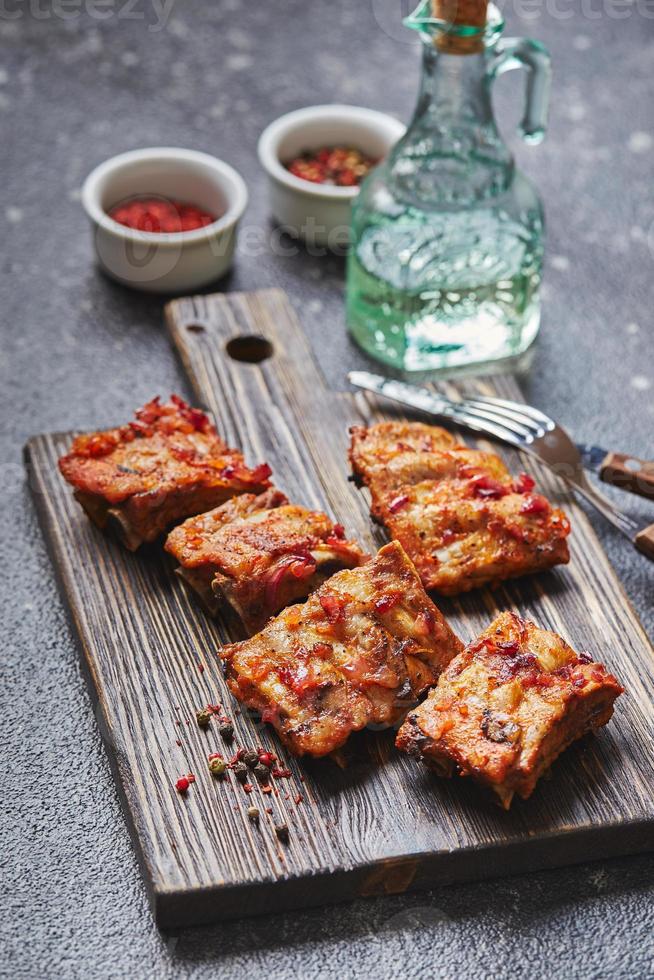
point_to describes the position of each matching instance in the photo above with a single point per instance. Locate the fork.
(522, 426)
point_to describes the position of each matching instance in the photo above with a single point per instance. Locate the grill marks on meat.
(258, 554)
(457, 512)
(507, 706)
(359, 651)
(167, 464)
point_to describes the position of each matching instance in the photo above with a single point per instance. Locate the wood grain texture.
(382, 824)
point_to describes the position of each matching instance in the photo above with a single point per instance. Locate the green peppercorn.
(217, 767)
(282, 831)
(253, 814)
(250, 758)
(241, 772)
(262, 773)
(203, 717)
(226, 729)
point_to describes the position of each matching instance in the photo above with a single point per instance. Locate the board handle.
(629, 473)
(644, 541)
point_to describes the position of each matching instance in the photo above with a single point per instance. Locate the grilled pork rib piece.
(166, 465)
(359, 651)
(505, 708)
(458, 513)
(258, 554)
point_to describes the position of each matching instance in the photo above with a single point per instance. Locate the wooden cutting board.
(383, 824)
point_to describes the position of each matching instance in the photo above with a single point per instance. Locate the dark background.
(78, 351)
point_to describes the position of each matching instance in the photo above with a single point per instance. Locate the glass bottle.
(446, 246)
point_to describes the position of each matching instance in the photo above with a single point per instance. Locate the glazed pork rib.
(507, 706)
(258, 554)
(458, 513)
(360, 650)
(167, 464)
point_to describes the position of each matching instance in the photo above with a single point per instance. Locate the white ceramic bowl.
(165, 263)
(320, 213)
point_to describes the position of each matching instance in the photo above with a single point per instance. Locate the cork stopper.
(471, 13)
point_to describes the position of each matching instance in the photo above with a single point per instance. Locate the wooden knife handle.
(629, 473)
(644, 541)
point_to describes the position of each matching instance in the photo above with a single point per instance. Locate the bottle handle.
(520, 52)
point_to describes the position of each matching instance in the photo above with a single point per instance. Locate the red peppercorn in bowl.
(313, 209)
(164, 219)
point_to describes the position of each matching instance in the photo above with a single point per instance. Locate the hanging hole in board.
(195, 328)
(251, 349)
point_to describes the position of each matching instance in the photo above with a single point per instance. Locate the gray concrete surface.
(80, 81)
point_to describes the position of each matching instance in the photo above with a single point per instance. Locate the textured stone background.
(79, 351)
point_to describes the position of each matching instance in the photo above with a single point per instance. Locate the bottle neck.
(452, 152)
(453, 88)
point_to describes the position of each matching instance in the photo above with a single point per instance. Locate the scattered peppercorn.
(217, 766)
(267, 759)
(203, 717)
(253, 814)
(282, 831)
(241, 771)
(226, 730)
(182, 784)
(262, 773)
(250, 758)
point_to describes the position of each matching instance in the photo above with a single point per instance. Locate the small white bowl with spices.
(165, 178)
(319, 213)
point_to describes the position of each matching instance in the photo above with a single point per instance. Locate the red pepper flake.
(278, 773)
(387, 602)
(340, 165)
(266, 789)
(269, 809)
(488, 489)
(537, 679)
(524, 483)
(508, 647)
(398, 503)
(338, 531)
(425, 622)
(182, 784)
(191, 777)
(201, 668)
(248, 787)
(156, 215)
(333, 608)
(579, 681)
(178, 742)
(535, 504)
(299, 799)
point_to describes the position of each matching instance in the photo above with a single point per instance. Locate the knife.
(619, 469)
